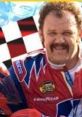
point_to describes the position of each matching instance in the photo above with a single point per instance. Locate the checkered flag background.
(18, 39)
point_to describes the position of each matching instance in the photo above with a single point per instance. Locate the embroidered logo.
(20, 70)
(47, 87)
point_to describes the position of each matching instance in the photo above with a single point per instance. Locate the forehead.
(67, 20)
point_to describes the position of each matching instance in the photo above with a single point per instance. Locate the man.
(51, 81)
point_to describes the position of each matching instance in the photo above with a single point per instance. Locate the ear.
(80, 34)
(78, 41)
(80, 37)
(41, 36)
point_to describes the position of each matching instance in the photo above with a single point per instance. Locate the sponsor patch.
(47, 87)
(20, 70)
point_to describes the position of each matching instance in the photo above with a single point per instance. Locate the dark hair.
(58, 7)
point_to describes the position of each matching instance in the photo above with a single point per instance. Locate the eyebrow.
(51, 30)
(67, 30)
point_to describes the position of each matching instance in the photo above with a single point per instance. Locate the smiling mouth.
(59, 47)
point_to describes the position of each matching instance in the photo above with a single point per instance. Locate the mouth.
(59, 47)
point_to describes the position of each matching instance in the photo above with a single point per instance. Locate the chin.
(59, 62)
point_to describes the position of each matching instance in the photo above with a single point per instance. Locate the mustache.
(62, 45)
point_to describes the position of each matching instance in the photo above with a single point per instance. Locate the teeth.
(59, 48)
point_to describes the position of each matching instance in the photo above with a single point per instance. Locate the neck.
(68, 66)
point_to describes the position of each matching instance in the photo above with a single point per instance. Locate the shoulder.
(19, 64)
(22, 67)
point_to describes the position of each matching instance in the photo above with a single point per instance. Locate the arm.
(17, 75)
(10, 96)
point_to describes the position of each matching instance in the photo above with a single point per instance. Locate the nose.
(59, 39)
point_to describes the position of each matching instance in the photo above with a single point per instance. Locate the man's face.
(60, 37)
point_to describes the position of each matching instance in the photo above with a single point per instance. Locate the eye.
(52, 33)
(68, 33)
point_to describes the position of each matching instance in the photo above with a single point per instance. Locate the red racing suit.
(38, 85)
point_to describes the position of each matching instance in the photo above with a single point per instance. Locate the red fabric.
(3, 105)
(26, 113)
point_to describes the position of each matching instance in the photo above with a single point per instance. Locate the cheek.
(71, 42)
(46, 42)
(47, 45)
(73, 47)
